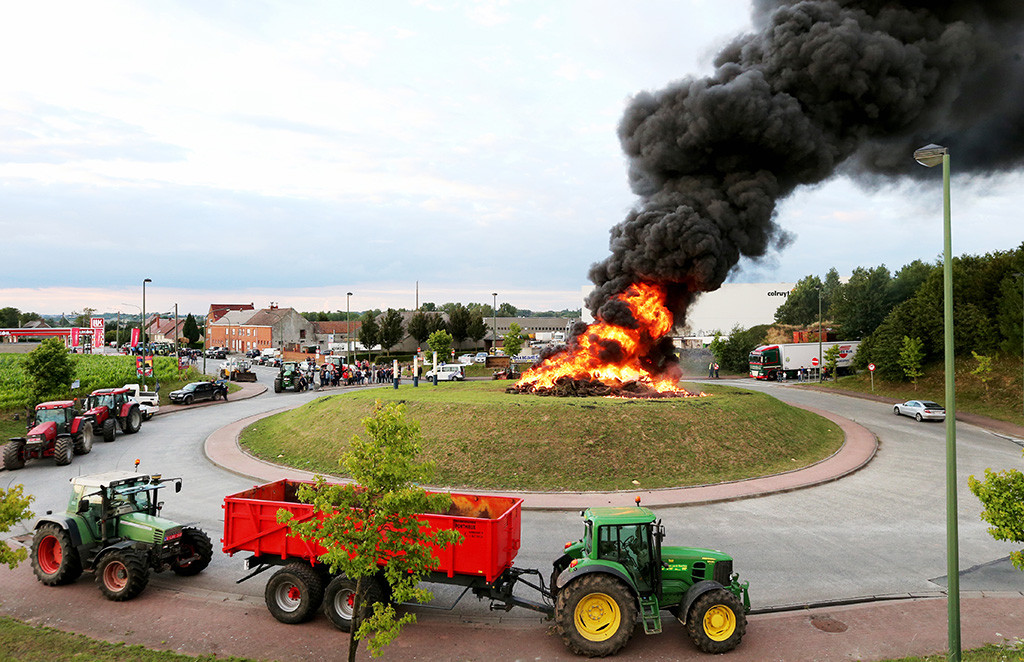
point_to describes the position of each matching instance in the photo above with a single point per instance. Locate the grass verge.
(478, 436)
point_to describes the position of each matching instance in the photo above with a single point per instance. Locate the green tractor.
(113, 529)
(289, 377)
(619, 573)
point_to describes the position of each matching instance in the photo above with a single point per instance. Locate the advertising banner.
(135, 337)
(75, 336)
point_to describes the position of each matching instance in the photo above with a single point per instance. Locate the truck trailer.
(600, 587)
(786, 360)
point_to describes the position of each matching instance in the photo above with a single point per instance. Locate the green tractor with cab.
(289, 378)
(619, 574)
(112, 528)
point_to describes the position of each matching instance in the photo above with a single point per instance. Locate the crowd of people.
(357, 374)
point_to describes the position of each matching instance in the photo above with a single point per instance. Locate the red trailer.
(490, 526)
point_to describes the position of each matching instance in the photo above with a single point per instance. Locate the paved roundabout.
(878, 532)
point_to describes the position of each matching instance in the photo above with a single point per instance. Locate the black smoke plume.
(823, 87)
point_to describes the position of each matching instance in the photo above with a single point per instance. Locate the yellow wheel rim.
(597, 617)
(719, 623)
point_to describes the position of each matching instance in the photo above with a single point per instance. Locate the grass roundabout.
(480, 437)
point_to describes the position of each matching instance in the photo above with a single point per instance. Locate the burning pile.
(613, 359)
(821, 86)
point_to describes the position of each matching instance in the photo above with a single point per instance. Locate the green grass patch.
(1002, 398)
(24, 643)
(481, 437)
(1009, 652)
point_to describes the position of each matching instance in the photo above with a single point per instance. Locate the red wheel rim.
(50, 555)
(115, 575)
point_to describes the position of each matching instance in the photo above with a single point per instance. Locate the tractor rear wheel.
(716, 622)
(83, 440)
(122, 575)
(55, 560)
(109, 429)
(196, 552)
(339, 600)
(133, 421)
(63, 451)
(14, 458)
(294, 593)
(595, 615)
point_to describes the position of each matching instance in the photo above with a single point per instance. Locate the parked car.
(452, 372)
(199, 391)
(922, 410)
(481, 357)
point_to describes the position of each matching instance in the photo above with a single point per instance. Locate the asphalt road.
(878, 532)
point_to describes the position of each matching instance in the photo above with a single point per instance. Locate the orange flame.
(586, 357)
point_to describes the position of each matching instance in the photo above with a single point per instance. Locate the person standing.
(716, 371)
(711, 370)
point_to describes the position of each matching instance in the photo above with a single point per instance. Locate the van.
(451, 372)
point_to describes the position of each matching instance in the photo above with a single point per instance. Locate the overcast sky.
(295, 151)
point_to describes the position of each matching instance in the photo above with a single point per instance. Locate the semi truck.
(786, 360)
(600, 587)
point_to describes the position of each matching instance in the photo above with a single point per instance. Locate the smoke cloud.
(823, 87)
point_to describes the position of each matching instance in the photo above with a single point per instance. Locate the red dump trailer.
(490, 526)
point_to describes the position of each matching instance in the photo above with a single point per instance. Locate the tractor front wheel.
(134, 421)
(122, 575)
(716, 621)
(277, 386)
(339, 600)
(83, 440)
(55, 560)
(14, 458)
(294, 593)
(109, 430)
(63, 451)
(196, 552)
(595, 615)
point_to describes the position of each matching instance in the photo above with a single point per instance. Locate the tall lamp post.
(930, 156)
(1020, 275)
(819, 334)
(494, 323)
(142, 331)
(348, 327)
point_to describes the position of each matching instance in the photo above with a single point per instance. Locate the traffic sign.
(814, 361)
(871, 367)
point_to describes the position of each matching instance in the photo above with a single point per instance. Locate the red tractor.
(111, 408)
(58, 431)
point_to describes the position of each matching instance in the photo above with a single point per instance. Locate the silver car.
(922, 410)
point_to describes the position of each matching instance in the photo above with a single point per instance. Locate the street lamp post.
(1020, 275)
(142, 331)
(930, 156)
(820, 365)
(494, 323)
(348, 327)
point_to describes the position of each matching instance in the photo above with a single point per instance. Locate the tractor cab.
(111, 398)
(125, 500)
(61, 414)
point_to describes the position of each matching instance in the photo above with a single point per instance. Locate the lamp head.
(930, 155)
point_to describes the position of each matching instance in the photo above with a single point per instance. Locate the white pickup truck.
(149, 401)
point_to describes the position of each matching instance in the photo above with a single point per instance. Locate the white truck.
(149, 401)
(786, 360)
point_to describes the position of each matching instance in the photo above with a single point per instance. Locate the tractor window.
(50, 416)
(105, 400)
(130, 501)
(629, 545)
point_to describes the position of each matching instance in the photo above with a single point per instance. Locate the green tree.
(428, 307)
(984, 368)
(441, 342)
(419, 327)
(9, 317)
(908, 280)
(369, 332)
(49, 370)
(391, 330)
(1011, 314)
(1002, 495)
(513, 339)
(735, 352)
(801, 306)
(458, 322)
(477, 328)
(911, 356)
(190, 329)
(83, 319)
(25, 318)
(863, 303)
(831, 359)
(14, 505)
(376, 518)
(507, 310)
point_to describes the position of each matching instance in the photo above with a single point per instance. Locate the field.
(478, 436)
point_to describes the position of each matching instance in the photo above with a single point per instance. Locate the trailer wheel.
(55, 560)
(294, 593)
(63, 451)
(595, 615)
(13, 457)
(109, 430)
(196, 552)
(716, 622)
(339, 600)
(122, 575)
(83, 440)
